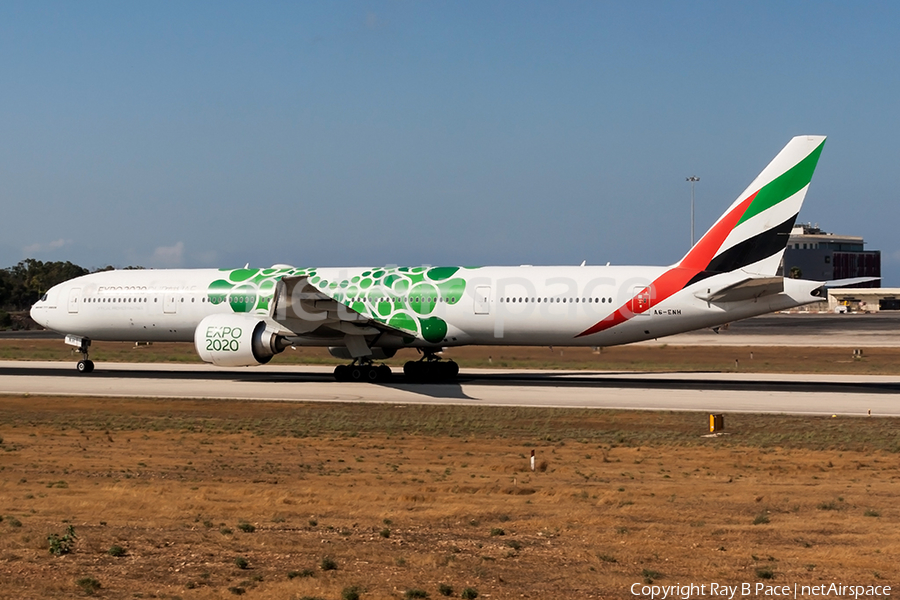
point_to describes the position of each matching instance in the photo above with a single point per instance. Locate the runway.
(707, 392)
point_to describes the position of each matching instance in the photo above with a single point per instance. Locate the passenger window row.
(558, 299)
(398, 301)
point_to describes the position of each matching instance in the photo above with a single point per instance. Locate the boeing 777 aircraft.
(243, 317)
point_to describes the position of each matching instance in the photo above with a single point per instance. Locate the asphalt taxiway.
(707, 392)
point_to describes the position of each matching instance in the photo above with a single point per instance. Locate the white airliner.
(243, 317)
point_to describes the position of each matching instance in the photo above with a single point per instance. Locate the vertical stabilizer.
(751, 236)
(753, 232)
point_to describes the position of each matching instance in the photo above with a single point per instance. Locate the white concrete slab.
(716, 392)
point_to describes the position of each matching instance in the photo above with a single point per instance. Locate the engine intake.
(237, 341)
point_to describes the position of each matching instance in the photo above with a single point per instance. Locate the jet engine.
(237, 341)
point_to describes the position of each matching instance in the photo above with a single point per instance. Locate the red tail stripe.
(674, 280)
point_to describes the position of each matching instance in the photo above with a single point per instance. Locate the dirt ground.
(217, 499)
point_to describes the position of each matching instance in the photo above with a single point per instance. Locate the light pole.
(693, 179)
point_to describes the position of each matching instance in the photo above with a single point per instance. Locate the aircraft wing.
(305, 311)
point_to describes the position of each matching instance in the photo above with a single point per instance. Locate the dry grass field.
(219, 499)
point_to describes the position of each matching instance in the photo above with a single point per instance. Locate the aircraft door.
(483, 300)
(170, 302)
(74, 293)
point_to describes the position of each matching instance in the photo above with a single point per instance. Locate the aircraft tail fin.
(753, 232)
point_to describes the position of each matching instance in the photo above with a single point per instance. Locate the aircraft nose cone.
(35, 314)
(39, 314)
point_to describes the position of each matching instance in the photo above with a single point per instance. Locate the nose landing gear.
(85, 365)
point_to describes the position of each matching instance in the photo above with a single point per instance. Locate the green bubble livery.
(404, 298)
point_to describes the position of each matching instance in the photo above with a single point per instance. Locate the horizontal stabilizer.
(838, 283)
(747, 289)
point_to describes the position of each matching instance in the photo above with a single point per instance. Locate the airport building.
(863, 300)
(815, 254)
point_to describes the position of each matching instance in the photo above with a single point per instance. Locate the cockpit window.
(44, 298)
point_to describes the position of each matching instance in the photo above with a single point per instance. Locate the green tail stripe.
(784, 186)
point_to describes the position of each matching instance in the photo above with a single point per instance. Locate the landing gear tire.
(85, 366)
(362, 373)
(342, 373)
(431, 371)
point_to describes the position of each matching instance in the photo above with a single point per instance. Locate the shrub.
(514, 545)
(469, 594)
(13, 522)
(650, 575)
(497, 531)
(241, 562)
(445, 589)
(761, 518)
(303, 573)
(116, 551)
(88, 584)
(60, 545)
(607, 558)
(415, 593)
(237, 590)
(385, 533)
(350, 593)
(328, 564)
(765, 573)
(246, 527)
(871, 512)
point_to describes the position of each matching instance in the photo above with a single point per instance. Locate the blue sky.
(365, 133)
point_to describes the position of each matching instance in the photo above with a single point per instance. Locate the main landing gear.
(431, 369)
(362, 370)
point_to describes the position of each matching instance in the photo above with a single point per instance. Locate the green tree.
(22, 284)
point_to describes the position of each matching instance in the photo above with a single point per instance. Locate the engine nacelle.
(236, 341)
(343, 352)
